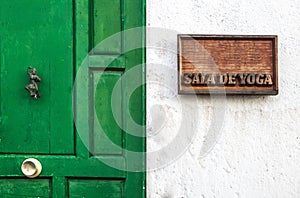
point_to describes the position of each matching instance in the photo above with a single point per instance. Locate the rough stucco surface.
(256, 153)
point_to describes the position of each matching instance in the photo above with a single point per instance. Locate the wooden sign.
(227, 64)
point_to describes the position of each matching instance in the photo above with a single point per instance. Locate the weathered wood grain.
(210, 56)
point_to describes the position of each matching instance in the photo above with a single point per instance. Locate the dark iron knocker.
(33, 88)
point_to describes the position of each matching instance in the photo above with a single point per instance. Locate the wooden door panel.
(40, 36)
(95, 188)
(106, 23)
(107, 135)
(12, 188)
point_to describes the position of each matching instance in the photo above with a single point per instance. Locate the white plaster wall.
(257, 151)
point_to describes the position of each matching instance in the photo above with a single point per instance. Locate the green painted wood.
(108, 136)
(95, 188)
(65, 166)
(136, 57)
(59, 187)
(12, 188)
(107, 18)
(107, 61)
(81, 50)
(56, 36)
(40, 36)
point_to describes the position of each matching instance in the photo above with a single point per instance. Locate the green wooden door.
(56, 37)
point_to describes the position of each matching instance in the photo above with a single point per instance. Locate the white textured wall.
(257, 151)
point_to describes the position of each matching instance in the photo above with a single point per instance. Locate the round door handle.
(31, 167)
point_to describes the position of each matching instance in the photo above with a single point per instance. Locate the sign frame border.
(274, 39)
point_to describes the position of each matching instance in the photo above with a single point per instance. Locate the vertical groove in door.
(74, 72)
(91, 24)
(91, 110)
(0, 80)
(49, 115)
(122, 15)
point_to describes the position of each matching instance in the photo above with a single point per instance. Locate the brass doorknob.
(31, 167)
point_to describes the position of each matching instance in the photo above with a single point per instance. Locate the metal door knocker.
(33, 88)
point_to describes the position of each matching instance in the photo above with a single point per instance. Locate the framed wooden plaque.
(227, 64)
